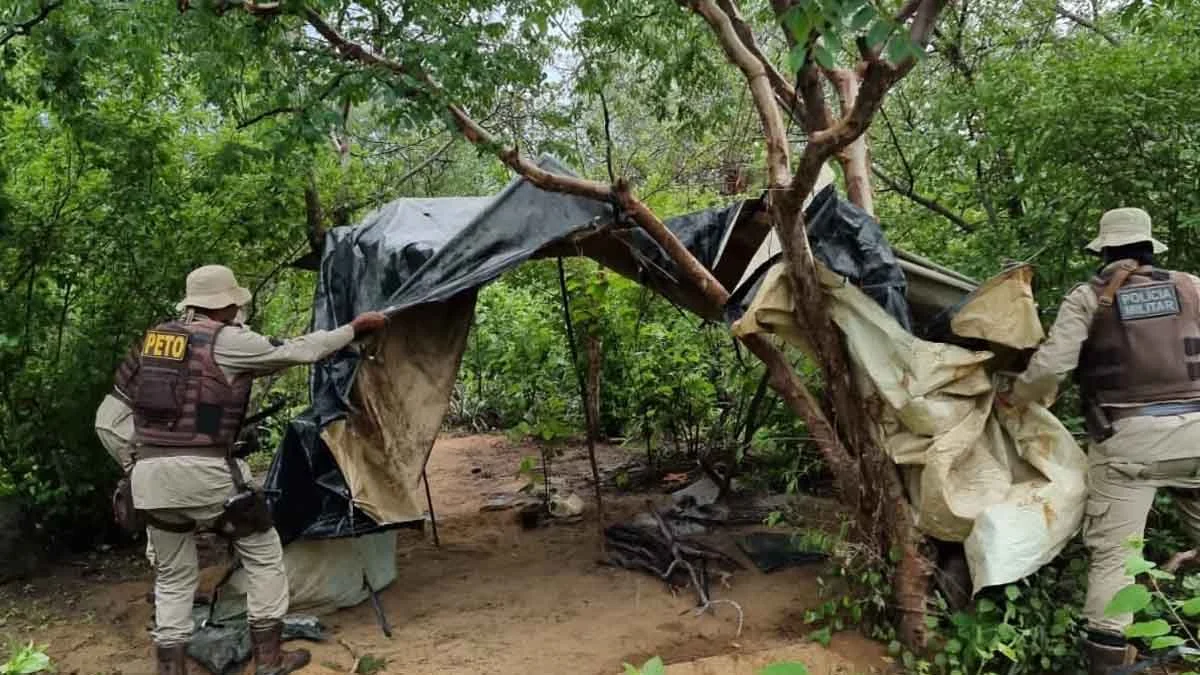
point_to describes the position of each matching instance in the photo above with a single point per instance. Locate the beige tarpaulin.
(401, 393)
(1009, 485)
(324, 575)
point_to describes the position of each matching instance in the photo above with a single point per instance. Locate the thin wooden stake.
(583, 397)
(432, 516)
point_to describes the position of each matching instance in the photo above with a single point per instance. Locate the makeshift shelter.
(351, 466)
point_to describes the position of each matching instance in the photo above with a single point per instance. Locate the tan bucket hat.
(213, 287)
(1120, 227)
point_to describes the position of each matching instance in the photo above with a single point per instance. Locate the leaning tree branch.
(933, 205)
(1067, 14)
(757, 77)
(784, 91)
(855, 156)
(25, 27)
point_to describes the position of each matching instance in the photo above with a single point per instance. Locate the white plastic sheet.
(1009, 485)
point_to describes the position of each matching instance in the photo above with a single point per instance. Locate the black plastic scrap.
(851, 243)
(771, 551)
(223, 648)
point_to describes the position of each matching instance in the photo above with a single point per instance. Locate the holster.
(244, 514)
(247, 511)
(1095, 420)
(125, 514)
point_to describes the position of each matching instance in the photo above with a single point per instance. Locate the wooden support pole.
(583, 397)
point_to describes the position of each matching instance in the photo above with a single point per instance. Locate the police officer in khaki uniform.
(188, 392)
(1132, 337)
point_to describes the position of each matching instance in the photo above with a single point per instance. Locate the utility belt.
(244, 513)
(1100, 419)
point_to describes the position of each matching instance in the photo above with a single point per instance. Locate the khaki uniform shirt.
(114, 425)
(186, 482)
(1059, 354)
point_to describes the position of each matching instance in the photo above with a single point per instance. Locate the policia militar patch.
(165, 345)
(1147, 302)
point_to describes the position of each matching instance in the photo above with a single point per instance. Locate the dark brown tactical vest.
(1144, 342)
(123, 380)
(181, 398)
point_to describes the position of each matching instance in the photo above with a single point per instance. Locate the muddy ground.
(494, 598)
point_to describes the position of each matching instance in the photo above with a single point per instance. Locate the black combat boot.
(172, 660)
(269, 657)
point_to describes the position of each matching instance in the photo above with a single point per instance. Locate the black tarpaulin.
(850, 242)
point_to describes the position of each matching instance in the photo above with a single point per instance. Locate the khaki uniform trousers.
(177, 573)
(1144, 455)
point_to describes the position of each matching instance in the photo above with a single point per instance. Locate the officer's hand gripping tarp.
(1007, 483)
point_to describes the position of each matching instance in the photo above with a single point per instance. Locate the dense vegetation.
(137, 143)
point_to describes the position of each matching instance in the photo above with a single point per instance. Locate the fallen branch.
(662, 554)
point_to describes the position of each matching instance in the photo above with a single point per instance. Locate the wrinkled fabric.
(1010, 487)
(324, 575)
(223, 648)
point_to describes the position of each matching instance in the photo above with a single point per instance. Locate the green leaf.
(1012, 593)
(630, 669)
(654, 667)
(823, 56)
(879, 33)
(1166, 642)
(822, 637)
(795, 58)
(784, 668)
(1128, 600)
(832, 41)
(1007, 651)
(1148, 629)
(953, 646)
(1191, 607)
(863, 17)
(1138, 565)
(899, 49)
(798, 21)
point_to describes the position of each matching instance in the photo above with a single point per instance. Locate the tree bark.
(855, 157)
(594, 363)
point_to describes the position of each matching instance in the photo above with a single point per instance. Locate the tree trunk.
(855, 158)
(594, 361)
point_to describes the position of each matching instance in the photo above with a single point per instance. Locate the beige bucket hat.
(1120, 227)
(213, 287)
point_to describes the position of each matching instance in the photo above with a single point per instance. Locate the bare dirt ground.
(494, 598)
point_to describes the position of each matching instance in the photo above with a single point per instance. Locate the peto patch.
(165, 345)
(1147, 302)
